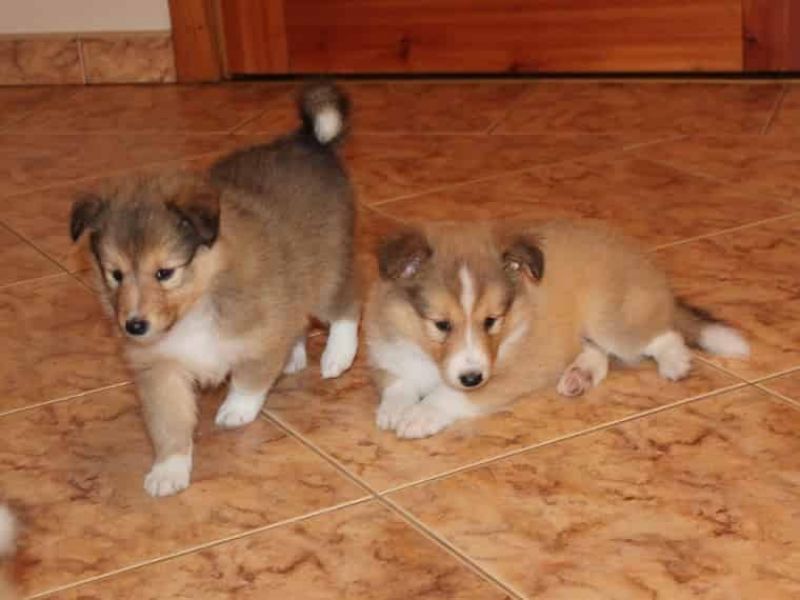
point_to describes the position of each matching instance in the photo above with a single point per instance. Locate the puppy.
(207, 278)
(466, 318)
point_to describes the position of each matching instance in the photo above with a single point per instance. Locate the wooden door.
(267, 37)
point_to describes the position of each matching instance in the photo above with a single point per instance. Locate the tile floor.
(641, 489)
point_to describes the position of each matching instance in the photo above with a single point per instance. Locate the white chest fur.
(195, 341)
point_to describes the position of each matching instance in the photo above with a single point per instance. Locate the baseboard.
(87, 58)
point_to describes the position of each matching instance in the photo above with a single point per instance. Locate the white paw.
(297, 359)
(574, 382)
(670, 352)
(340, 351)
(169, 476)
(675, 365)
(392, 409)
(239, 408)
(422, 420)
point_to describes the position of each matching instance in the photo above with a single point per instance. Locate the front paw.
(422, 420)
(239, 408)
(169, 476)
(392, 409)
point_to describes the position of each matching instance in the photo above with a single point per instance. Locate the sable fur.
(257, 247)
(561, 297)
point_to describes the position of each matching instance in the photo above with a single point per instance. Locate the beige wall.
(73, 16)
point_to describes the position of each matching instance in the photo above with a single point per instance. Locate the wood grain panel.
(415, 36)
(194, 37)
(255, 36)
(771, 35)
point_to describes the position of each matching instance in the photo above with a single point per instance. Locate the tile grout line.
(378, 497)
(40, 278)
(779, 396)
(82, 60)
(60, 399)
(565, 437)
(291, 432)
(775, 110)
(760, 222)
(719, 232)
(459, 184)
(449, 547)
(200, 547)
(34, 247)
(106, 175)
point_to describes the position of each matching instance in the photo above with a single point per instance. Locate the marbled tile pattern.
(643, 488)
(93, 58)
(40, 60)
(146, 58)
(631, 512)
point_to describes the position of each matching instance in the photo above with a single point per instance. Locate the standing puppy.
(210, 278)
(467, 318)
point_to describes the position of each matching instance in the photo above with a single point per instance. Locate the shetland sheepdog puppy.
(465, 318)
(210, 276)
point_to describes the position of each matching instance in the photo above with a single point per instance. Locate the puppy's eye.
(489, 322)
(116, 275)
(444, 326)
(164, 274)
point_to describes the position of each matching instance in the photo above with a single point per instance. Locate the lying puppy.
(466, 318)
(211, 278)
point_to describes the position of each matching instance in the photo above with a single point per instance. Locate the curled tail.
(324, 109)
(702, 330)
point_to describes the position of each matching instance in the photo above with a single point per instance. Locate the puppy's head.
(462, 283)
(149, 239)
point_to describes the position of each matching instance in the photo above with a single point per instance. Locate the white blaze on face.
(471, 357)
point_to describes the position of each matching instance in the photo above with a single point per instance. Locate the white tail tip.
(327, 124)
(724, 341)
(8, 531)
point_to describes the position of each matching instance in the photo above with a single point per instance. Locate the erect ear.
(402, 255)
(87, 212)
(198, 209)
(522, 254)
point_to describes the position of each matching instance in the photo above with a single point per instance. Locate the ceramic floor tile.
(749, 278)
(20, 261)
(787, 385)
(606, 107)
(762, 166)
(385, 167)
(17, 102)
(338, 416)
(436, 107)
(30, 162)
(787, 119)
(653, 202)
(695, 502)
(157, 109)
(56, 342)
(74, 472)
(362, 552)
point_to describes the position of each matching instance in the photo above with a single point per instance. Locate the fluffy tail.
(702, 330)
(324, 109)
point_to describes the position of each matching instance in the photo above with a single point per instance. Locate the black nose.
(471, 379)
(136, 326)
